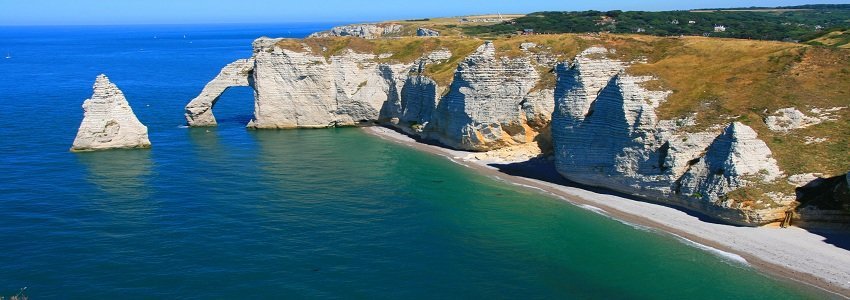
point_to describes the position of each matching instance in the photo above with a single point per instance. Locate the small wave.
(723, 254)
(530, 187)
(455, 160)
(594, 209)
(636, 226)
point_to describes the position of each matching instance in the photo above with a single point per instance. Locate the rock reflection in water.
(120, 173)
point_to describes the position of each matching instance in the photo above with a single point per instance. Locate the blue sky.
(97, 12)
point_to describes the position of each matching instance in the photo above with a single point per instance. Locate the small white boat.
(8, 55)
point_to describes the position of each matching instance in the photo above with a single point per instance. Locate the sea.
(227, 212)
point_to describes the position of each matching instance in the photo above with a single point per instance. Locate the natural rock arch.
(238, 73)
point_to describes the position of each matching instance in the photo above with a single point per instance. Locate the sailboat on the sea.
(8, 55)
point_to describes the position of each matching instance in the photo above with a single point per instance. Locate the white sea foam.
(635, 226)
(723, 254)
(594, 209)
(454, 160)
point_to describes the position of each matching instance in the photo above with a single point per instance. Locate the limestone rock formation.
(482, 109)
(734, 160)
(790, 118)
(108, 121)
(419, 99)
(490, 104)
(606, 133)
(422, 31)
(303, 90)
(603, 122)
(238, 73)
(366, 31)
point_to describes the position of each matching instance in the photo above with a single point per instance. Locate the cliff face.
(606, 133)
(489, 104)
(108, 121)
(304, 90)
(199, 110)
(604, 120)
(485, 106)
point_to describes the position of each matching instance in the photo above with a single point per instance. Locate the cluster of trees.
(800, 23)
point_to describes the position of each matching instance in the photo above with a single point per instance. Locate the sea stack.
(109, 122)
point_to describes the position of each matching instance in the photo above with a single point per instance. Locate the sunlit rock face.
(238, 73)
(108, 121)
(606, 133)
(490, 103)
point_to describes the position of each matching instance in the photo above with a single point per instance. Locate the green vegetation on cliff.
(799, 23)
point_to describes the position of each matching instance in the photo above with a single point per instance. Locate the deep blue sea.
(332, 213)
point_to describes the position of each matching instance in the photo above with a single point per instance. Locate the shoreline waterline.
(771, 251)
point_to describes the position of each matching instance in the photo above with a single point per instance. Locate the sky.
(116, 12)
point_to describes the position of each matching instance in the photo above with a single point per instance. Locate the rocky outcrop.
(419, 99)
(108, 121)
(199, 110)
(491, 102)
(483, 109)
(422, 31)
(735, 159)
(787, 119)
(366, 31)
(606, 133)
(603, 122)
(303, 90)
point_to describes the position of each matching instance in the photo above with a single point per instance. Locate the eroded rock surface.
(790, 118)
(422, 31)
(367, 31)
(108, 121)
(606, 133)
(303, 90)
(604, 127)
(199, 110)
(490, 104)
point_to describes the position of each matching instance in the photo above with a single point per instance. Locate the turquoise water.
(227, 212)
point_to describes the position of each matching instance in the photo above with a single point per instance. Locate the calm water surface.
(227, 212)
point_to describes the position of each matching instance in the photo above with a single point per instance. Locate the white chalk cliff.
(485, 106)
(603, 123)
(490, 103)
(199, 110)
(303, 90)
(108, 121)
(606, 133)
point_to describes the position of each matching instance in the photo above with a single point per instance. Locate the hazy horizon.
(162, 12)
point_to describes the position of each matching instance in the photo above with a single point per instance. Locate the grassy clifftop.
(725, 80)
